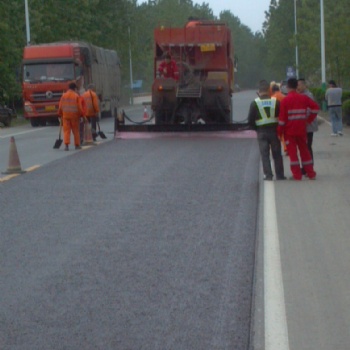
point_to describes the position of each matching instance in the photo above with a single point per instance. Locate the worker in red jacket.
(168, 68)
(296, 111)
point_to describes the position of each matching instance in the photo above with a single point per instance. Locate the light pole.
(131, 79)
(27, 21)
(323, 55)
(296, 40)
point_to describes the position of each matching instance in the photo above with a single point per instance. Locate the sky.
(250, 12)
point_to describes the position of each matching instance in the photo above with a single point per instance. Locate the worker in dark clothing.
(262, 117)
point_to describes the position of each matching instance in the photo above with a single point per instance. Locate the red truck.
(49, 68)
(204, 55)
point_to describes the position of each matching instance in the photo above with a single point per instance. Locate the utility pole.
(131, 79)
(27, 21)
(323, 54)
(296, 40)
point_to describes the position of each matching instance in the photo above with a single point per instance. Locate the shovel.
(59, 141)
(100, 133)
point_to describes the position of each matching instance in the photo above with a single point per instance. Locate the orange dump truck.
(48, 69)
(203, 52)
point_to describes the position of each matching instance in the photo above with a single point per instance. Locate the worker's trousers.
(71, 125)
(295, 144)
(268, 140)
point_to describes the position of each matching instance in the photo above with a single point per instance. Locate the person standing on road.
(296, 111)
(312, 127)
(168, 68)
(92, 107)
(276, 92)
(262, 117)
(333, 97)
(70, 109)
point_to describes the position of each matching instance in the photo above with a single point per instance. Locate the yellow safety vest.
(265, 119)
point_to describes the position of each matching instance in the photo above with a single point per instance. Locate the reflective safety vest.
(91, 101)
(70, 105)
(264, 118)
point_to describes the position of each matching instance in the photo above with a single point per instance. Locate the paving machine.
(203, 53)
(200, 97)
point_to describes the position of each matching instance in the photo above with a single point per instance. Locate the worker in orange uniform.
(276, 93)
(70, 109)
(272, 83)
(92, 107)
(296, 111)
(168, 68)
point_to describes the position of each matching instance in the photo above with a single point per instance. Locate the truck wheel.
(159, 119)
(34, 122)
(7, 121)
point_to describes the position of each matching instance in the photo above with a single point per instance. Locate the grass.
(18, 121)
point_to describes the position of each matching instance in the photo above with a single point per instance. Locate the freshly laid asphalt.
(133, 244)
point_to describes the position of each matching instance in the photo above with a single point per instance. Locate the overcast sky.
(250, 12)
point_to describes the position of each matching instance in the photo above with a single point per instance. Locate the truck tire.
(7, 121)
(34, 122)
(159, 118)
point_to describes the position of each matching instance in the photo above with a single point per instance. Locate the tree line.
(127, 26)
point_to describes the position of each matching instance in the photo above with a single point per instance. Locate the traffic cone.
(145, 114)
(88, 140)
(14, 166)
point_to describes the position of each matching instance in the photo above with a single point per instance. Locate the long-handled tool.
(100, 133)
(59, 141)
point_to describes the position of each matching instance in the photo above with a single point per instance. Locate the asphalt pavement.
(134, 244)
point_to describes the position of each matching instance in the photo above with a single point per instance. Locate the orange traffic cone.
(88, 140)
(14, 166)
(145, 114)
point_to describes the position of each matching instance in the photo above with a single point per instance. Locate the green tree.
(279, 31)
(11, 41)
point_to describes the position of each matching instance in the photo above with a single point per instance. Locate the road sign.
(290, 73)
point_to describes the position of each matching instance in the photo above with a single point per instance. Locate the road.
(173, 243)
(131, 244)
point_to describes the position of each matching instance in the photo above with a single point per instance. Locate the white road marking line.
(276, 330)
(21, 133)
(325, 120)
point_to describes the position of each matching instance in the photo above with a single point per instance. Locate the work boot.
(77, 147)
(66, 148)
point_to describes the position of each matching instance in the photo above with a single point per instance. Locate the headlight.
(28, 108)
